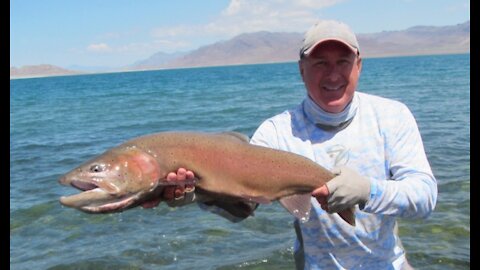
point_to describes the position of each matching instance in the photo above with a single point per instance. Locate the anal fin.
(298, 205)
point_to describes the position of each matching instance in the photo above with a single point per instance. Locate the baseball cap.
(328, 30)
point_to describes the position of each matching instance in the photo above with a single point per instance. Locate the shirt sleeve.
(411, 190)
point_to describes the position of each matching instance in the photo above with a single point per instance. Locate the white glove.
(347, 189)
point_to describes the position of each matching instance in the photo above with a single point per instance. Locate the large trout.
(225, 165)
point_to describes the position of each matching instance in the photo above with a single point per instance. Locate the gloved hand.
(345, 190)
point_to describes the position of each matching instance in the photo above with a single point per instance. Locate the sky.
(116, 33)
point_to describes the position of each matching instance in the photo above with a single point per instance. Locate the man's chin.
(335, 106)
(332, 102)
(338, 104)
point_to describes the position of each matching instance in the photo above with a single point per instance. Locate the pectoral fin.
(237, 135)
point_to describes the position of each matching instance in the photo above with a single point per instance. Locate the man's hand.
(179, 195)
(345, 190)
(171, 194)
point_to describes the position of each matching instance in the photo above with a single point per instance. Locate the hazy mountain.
(40, 71)
(268, 47)
(156, 60)
(417, 40)
(265, 47)
(92, 69)
(260, 47)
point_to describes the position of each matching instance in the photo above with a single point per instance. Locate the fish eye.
(97, 168)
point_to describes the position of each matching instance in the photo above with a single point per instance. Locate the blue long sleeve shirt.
(382, 143)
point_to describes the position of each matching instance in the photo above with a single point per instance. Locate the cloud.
(171, 45)
(240, 16)
(272, 15)
(254, 7)
(100, 47)
(458, 7)
(175, 31)
(244, 16)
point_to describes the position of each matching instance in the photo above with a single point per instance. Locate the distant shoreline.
(231, 65)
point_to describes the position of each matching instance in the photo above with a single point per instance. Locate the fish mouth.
(85, 186)
(94, 199)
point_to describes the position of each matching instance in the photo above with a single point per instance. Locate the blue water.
(59, 122)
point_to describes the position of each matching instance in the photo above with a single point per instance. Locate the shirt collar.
(330, 121)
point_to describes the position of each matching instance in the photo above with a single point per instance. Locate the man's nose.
(333, 73)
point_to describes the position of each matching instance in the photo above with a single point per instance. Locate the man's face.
(331, 74)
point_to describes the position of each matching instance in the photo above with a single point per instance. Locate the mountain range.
(40, 71)
(271, 47)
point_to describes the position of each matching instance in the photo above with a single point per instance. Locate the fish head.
(116, 180)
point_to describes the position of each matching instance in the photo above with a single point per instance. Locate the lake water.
(56, 123)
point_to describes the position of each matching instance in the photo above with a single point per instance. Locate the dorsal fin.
(238, 135)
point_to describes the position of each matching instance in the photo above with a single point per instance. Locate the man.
(371, 143)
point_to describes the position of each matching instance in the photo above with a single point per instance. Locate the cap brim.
(312, 48)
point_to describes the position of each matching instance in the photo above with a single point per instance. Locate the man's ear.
(300, 68)
(359, 64)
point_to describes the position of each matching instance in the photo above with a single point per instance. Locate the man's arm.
(410, 191)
